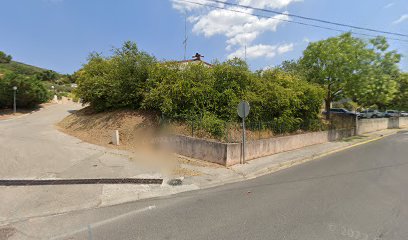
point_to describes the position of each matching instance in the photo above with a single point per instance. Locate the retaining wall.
(372, 125)
(228, 154)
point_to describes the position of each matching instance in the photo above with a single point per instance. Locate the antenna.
(185, 36)
(245, 53)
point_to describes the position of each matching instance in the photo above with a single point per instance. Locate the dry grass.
(136, 128)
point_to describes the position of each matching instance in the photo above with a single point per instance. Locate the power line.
(309, 18)
(290, 21)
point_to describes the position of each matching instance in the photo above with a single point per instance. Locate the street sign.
(243, 109)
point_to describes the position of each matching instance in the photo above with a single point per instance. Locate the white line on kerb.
(106, 221)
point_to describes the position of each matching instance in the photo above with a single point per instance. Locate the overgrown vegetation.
(194, 92)
(291, 95)
(30, 91)
(34, 81)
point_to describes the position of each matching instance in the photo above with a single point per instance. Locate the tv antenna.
(185, 37)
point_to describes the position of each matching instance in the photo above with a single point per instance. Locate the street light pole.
(15, 105)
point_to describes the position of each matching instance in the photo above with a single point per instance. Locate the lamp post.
(15, 105)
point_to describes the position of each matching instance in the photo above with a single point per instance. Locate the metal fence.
(231, 132)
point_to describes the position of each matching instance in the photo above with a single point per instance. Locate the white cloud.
(184, 7)
(236, 24)
(389, 5)
(239, 28)
(277, 4)
(403, 18)
(262, 50)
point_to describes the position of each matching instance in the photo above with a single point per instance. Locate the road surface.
(360, 193)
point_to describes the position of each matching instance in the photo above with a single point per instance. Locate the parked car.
(391, 113)
(404, 114)
(371, 114)
(341, 111)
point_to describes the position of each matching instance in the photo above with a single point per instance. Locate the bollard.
(115, 137)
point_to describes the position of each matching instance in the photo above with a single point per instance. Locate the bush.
(187, 92)
(4, 58)
(116, 81)
(30, 91)
(213, 125)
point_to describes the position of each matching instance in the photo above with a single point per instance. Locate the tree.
(4, 58)
(47, 75)
(30, 91)
(115, 81)
(377, 82)
(401, 97)
(334, 63)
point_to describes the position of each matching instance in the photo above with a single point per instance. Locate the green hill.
(20, 68)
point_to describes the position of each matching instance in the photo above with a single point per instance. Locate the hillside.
(20, 68)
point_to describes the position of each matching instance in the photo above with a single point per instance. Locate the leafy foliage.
(348, 67)
(116, 81)
(4, 58)
(30, 91)
(211, 95)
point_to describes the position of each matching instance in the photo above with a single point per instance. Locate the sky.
(60, 34)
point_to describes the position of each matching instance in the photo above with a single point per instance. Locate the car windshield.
(203, 119)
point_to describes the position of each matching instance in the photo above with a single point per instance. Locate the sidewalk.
(209, 175)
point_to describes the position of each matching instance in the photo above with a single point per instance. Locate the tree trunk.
(327, 103)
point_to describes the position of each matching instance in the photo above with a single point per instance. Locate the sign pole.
(243, 140)
(243, 111)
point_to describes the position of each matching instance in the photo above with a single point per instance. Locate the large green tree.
(401, 97)
(376, 84)
(348, 67)
(333, 63)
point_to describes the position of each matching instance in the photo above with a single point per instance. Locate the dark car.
(341, 111)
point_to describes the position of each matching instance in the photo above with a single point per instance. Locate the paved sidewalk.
(78, 159)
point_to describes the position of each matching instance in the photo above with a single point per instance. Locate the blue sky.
(59, 34)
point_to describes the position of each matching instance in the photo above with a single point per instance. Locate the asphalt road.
(360, 193)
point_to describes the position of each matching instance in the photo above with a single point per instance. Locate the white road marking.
(106, 221)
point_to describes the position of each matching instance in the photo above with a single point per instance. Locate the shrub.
(116, 81)
(213, 125)
(30, 91)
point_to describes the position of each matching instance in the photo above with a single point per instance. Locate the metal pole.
(243, 137)
(14, 105)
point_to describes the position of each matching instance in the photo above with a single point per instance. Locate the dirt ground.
(137, 130)
(8, 113)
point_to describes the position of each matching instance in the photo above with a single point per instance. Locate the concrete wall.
(403, 122)
(372, 125)
(199, 148)
(377, 124)
(228, 154)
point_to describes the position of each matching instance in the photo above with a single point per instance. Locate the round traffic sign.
(243, 109)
